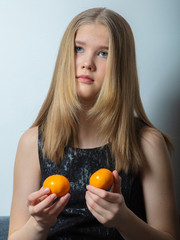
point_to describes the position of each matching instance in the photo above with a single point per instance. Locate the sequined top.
(76, 221)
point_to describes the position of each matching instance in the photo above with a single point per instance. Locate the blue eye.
(78, 49)
(103, 54)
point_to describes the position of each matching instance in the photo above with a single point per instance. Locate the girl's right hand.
(42, 208)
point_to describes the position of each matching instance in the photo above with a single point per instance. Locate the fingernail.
(66, 196)
(46, 190)
(53, 196)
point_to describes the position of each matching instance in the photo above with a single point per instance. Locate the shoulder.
(152, 141)
(156, 155)
(28, 147)
(155, 151)
(29, 136)
(29, 139)
(27, 162)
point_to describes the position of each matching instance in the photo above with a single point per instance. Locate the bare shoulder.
(29, 138)
(154, 147)
(27, 151)
(152, 138)
(157, 168)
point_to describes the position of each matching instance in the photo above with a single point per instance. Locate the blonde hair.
(118, 110)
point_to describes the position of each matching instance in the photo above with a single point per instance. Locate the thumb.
(116, 187)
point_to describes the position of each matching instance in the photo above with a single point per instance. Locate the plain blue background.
(30, 33)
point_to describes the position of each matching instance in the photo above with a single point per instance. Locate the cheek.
(76, 63)
(103, 70)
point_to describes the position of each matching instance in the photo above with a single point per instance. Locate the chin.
(89, 96)
(87, 100)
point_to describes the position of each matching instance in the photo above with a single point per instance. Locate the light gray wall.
(30, 32)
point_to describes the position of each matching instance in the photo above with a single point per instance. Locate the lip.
(85, 79)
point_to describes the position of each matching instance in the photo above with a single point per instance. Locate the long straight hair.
(118, 110)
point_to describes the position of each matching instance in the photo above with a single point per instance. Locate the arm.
(159, 197)
(32, 212)
(158, 191)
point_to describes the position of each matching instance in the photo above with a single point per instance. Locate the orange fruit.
(58, 184)
(103, 178)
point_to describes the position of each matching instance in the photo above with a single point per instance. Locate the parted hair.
(118, 109)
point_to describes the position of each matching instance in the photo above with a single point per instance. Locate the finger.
(95, 201)
(33, 197)
(98, 212)
(59, 205)
(45, 204)
(108, 196)
(116, 187)
(42, 198)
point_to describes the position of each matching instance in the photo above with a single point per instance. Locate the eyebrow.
(83, 44)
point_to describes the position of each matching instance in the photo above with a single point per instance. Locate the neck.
(88, 132)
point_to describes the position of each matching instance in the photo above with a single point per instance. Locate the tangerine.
(102, 178)
(58, 184)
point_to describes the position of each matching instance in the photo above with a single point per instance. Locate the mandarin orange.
(58, 184)
(103, 178)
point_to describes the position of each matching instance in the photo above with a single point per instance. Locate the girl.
(93, 118)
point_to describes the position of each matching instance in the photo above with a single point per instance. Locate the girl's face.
(91, 52)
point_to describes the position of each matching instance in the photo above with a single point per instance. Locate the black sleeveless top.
(76, 221)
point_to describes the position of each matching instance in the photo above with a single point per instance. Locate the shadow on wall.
(169, 120)
(173, 126)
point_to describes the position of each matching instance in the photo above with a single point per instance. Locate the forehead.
(95, 32)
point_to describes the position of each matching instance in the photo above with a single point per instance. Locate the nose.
(88, 64)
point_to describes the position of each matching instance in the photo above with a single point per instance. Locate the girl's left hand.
(107, 207)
